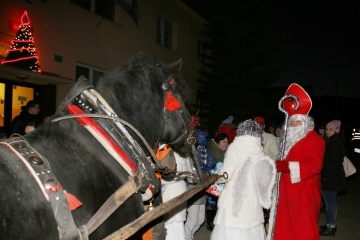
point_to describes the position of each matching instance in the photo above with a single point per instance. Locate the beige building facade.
(72, 37)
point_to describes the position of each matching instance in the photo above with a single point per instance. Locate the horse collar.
(113, 136)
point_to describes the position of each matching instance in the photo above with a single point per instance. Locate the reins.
(190, 140)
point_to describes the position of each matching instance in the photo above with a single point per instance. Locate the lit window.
(104, 8)
(93, 74)
(164, 35)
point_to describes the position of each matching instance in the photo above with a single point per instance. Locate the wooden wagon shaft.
(133, 227)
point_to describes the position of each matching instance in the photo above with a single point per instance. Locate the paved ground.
(348, 210)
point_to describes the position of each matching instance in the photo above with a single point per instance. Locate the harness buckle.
(51, 186)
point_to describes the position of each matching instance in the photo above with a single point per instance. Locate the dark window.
(93, 74)
(204, 54)
(82, 71)
(164, 34)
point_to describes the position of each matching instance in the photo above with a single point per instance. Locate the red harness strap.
(104, 139)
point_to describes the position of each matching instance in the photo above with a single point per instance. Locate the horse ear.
(175, 67)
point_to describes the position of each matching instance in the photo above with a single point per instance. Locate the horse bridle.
(173, 106)
(178, 109)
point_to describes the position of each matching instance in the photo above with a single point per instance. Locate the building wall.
(80, 36)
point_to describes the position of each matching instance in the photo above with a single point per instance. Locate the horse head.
(177, 131)
(157, 90)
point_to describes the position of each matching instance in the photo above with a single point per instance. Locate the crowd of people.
(274, 189)
(266, 176)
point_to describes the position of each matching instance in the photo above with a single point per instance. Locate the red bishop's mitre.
(290, 104)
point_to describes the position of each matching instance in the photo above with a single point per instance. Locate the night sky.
(319, 43)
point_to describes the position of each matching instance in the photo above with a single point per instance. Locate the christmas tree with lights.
(22, 53)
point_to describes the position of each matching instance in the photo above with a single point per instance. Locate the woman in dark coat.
(217, 147)
(332, 175)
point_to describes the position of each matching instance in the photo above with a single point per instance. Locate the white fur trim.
(294, 172)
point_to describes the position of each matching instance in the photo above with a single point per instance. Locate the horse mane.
(134, 91)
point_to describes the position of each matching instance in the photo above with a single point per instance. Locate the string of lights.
(22, 53)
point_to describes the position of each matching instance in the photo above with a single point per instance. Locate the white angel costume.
(251, 177)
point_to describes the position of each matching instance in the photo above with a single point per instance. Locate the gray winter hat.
(249, 127)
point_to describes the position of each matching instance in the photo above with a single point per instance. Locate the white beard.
(295, 134)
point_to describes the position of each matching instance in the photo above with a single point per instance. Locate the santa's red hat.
(303, 97)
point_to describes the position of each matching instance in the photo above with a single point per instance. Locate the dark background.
(318, 47)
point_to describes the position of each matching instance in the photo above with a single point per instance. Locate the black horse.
(138, 92)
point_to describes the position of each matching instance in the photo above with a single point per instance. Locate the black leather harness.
(50, 186)
(141, 175)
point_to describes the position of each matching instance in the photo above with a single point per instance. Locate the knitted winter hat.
(335, 125)
(249, 127)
